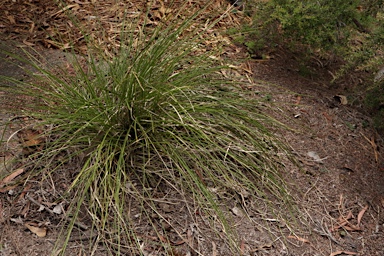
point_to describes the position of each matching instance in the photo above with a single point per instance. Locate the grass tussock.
(156, 118)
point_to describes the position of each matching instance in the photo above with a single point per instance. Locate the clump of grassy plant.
(156, 117)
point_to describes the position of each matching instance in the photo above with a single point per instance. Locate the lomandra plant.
(156, 118)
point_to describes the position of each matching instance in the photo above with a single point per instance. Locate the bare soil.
(339, 151)
(338, 186)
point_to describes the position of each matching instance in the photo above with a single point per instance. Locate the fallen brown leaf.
(31, 30)
(1, 211)
(343, 252)
(344, 223)
(342, 99)
(360, 215)
(40, 232)
(214, 249)
(351, 227)
(10, 177)
(242, 247)
(25, 209)
(24, 192)
(298, 99)
(263, 247)
(200, 176)
(349, 216)
(166, 241)
(6, 189)
(11, 19)
(28, 43)
(300, 239)
(30, 138)
(180, 242)
(58, 45)
(327, 116)
(174, 252)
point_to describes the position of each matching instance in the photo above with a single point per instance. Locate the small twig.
(85, 238)
(360, 26)
(325, 232)
(20, 117)
(68, 219)
(310, 189)
(374, 146)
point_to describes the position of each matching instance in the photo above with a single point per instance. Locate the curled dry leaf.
(17, 220)
(314, 156)
(24, 192)
(11, 19)
(167, 208)
(25, 210)
(267, 246)
(242, 247)
(301, 239)
(343, 252)
(343, 221)
(10, 177)
(40, 232)
(58, 209)
(41, 208)
(342, 99)
(1, 212)
(30, 138)
(237, 211)
(28, 43)
(298, 99)
(360, 215)
(214, 249)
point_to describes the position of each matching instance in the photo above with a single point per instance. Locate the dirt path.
(341, 156)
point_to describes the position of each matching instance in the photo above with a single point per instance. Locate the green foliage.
(375, 104)
(351, 31)
(345, 28)
(316, 23)
(241, 37)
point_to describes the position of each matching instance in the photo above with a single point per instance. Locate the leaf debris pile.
(72, 23)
